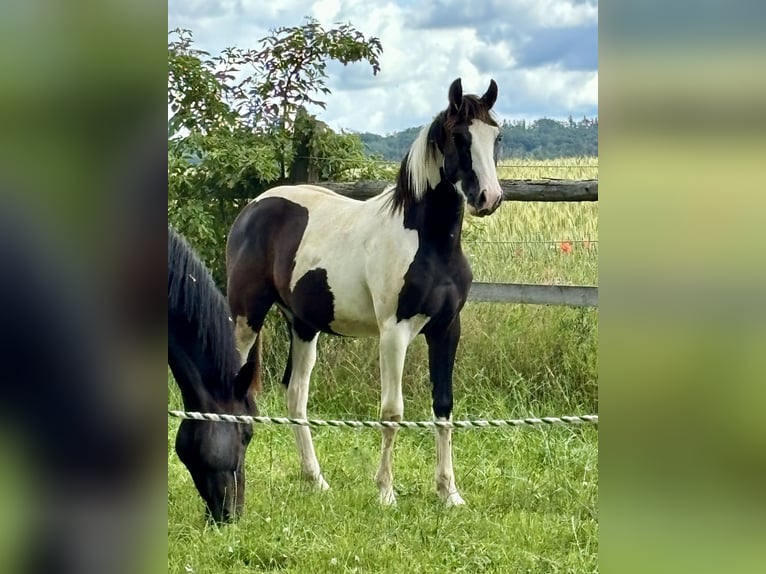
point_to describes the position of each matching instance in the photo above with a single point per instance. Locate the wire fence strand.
(529, 241)
(395, 162)
(497, 423)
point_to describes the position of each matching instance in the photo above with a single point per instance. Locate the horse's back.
(310, 195)
(278, 219)
(300, 242)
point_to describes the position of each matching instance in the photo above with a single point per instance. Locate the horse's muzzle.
(485, 209)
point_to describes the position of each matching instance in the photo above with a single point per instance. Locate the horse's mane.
(412, 181)
(192, 294)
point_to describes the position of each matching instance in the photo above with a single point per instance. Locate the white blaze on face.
(483, 138)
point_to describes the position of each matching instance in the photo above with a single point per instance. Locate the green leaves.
(194, 88)
(292, 65)
(234, 129)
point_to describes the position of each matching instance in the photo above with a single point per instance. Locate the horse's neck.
(195, 398)
(438, 216)
(189, 372)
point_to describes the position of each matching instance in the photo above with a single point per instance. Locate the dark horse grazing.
(390, 267)
(203, 358)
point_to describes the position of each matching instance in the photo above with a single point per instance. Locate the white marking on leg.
(385, 475)
(244, 336)
(445, 476)
(303, 360)
(394, 340)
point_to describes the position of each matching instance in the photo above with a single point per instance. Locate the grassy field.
(531, 493)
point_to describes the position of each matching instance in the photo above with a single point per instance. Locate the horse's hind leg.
(441, 359)
(248, 317)
(303, 357)
(249, 304)
(245, 336)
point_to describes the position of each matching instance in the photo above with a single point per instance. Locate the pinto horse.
(203, 358)
(391, 267)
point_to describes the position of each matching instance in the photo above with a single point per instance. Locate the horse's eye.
(499, 138)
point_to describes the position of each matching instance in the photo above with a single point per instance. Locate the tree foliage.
(239, 117)
(541, 139)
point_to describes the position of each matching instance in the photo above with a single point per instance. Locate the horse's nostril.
(482, 199)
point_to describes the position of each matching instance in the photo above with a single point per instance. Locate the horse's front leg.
(393, 348)
(442, 346)
(395, 337)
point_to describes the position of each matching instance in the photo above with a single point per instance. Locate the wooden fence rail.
(513, 189)
(568, 295)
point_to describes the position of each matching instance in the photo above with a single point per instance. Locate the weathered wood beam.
(513, 189)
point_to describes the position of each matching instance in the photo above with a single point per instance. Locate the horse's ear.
(244, 380)
(490, 96)
(455, 96)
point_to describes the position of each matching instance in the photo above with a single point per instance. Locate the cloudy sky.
(542, 53)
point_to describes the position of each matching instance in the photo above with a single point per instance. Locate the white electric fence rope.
(531, 421)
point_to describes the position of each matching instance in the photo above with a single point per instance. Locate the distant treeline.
(540, 139)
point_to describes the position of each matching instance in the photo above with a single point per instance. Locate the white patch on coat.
(370, 253)
(483, 138)
(244, 337)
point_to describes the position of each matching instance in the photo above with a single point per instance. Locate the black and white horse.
(390, 267)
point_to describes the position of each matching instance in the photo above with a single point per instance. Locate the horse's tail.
(255, 356)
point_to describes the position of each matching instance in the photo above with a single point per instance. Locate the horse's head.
(468, 137)
(214, 452)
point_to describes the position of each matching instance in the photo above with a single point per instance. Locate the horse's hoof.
(387, 497)
(321, 484)
(316, 482)
(454, 499)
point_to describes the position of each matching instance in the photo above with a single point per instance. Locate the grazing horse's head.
(468, 138)
(214, 452)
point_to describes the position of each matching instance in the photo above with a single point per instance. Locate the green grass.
(531, 493)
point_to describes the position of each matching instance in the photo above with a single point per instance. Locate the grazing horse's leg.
(441, 359)
(394, 341)
(303, 356)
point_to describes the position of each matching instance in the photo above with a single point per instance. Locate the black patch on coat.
(458, 163)
(438, 279)
(313, 304)
(260, 257)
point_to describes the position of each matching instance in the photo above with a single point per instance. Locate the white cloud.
(325, 10)
(573, 89)
(418, 63)
(561, 13)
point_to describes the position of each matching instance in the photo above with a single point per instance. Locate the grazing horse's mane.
(192, 294)
(412, 179)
